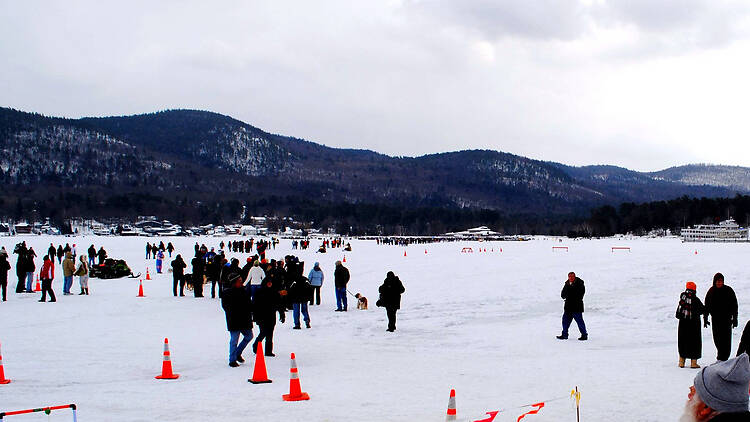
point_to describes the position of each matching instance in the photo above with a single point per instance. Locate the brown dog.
(361, 302)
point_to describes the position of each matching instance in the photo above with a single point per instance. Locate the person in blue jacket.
(316, 278)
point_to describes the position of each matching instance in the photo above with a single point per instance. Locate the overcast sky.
(643, 84)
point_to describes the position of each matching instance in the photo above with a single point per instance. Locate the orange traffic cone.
(295, 391)
(696, 252)
(3, 380)
(404, 252)
(425, 251)
(344, 258)
(148, 276)
(260, 376)
(166, 366)
(140, 289)
(37, 287)
(451, 414)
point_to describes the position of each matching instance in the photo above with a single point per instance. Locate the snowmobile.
(112, 268)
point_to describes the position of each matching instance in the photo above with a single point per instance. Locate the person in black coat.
(689, 312)
(744, 346)
(21, 265)
(178, 275)
(238, 310)
(572, 293)
(299, 293)
(721, 305)
(4, 268)
(266, 303)
(199, 265)
(340, 279)
(390, 298)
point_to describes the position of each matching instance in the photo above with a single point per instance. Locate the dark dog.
(361, 302)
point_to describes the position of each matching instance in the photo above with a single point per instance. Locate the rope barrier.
(538, 406)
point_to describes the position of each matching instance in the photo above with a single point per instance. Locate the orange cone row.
(148, 276)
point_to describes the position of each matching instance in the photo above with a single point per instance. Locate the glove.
(706, 323)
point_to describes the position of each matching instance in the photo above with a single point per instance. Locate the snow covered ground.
(482, 323)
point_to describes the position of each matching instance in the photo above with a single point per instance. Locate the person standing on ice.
(4, 268)
(178, 275)
(47, 274)
(31, 267)
(266, 303)
(316, 278)
(60, 254)
(721, 304)
(255, 278)
(69, 267)
(102, 254)
(237, 306)
(689, 312)
(92, 255)
(340, 280)
(148, 250)
(83, 276)
(572, 293)
(170, 248)
(199, 266)
(299, 294)
(51, 251)
(159, 260)
(390, 298)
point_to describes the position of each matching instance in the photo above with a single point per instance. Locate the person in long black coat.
(573, 292)
(390, 298)
(199, 265)
(21, 265)
(689, 312)
(266, 303)
(721, 305)
(4, 268)
(178, 275)
(238, 310)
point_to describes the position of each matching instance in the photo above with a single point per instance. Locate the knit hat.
(690, 286)
(723, 386)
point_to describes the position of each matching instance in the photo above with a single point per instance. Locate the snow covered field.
(482, 323)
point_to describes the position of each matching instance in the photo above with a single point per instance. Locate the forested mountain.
(200, 166)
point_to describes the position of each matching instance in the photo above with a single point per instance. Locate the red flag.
(538, 406)
(491, 418)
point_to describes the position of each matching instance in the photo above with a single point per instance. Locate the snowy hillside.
(482, 323)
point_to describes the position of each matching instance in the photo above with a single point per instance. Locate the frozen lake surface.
(482, 323)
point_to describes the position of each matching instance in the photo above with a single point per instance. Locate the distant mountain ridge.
(204, 154)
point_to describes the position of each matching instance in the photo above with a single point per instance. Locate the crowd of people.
(66, 257)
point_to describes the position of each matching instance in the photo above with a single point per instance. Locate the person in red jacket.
(46, 275)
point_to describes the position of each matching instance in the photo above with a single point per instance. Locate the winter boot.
(87, 291)
(583, 337)
(562, 337)
(307, 324)
(82, 292)
(694, 363)
(682, 362)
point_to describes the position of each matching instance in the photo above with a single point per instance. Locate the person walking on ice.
(572, 293)
(689, 312)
